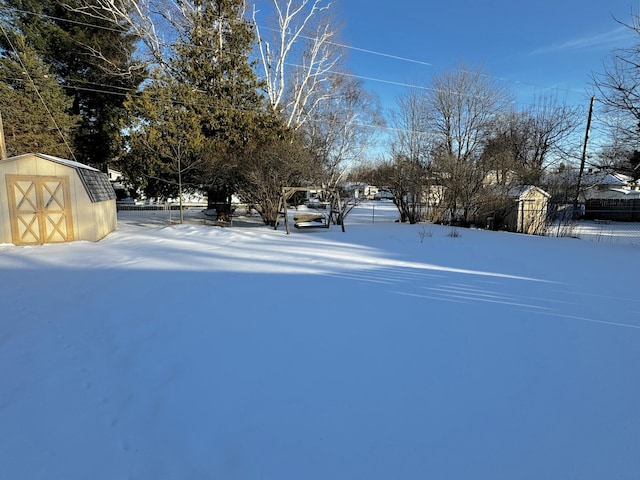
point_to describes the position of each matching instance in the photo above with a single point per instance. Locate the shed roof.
(521, 190)
(51, 158)
(96, 183)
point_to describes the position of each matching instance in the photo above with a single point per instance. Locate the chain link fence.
(594, 223)
(610, 225)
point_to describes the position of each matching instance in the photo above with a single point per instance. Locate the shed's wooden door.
(40, 209)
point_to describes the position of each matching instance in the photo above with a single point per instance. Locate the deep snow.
(388, 351)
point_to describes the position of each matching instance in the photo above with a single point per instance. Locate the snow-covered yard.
(606, 232)
(388, 351)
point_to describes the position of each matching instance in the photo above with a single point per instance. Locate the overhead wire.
(35, 87)
(342, 73)
(67, 20)
(337, 44)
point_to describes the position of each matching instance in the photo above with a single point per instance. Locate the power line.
(358, 49)
(59, 19)
(44, 104)
(228, 108)
(341, 45)
(346, 74)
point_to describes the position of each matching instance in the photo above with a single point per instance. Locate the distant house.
(500, 177)
(610, 196)
(115, 175)
(360, 191)
(607, 185)
(47, 199)
(383, 194)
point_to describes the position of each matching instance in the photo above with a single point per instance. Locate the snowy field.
(390, 351)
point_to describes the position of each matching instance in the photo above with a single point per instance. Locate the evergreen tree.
(165, 143)
(216, 103)
(34, 108)
(204, 106)
(92, 60)
(214, 61)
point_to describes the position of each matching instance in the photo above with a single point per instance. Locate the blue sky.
(542, 47)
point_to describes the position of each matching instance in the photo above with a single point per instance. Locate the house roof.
(96, 183)
(594, 178)
(612, 194)
(603, 178)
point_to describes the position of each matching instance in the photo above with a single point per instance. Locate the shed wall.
(104, 219)
(532, 212)
(91, 221)
(5, 222)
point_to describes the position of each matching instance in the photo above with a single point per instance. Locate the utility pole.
(583, 159)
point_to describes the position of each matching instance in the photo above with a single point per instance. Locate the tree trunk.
(220, 201)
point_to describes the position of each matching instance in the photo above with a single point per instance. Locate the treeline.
(460, 146)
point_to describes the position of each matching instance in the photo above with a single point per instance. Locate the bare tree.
(300, 59)
(341, 128)
(523, 144)
(617, 90)
(620, 154)
(405, 179)
(407, 176)
(409, 124)
(268, 169)
(297, 54)
(137, 17)
(618, 86)
(460, 109)
(503, 147)
(158, 24)
(549, 129)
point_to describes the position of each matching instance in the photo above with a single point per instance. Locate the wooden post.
(335, 204)
(285, 201)
(3, 146)
(282, 208)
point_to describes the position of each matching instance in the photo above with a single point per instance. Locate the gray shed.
(46, 199)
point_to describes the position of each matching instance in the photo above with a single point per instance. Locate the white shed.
(530, 214)
(46, 199)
